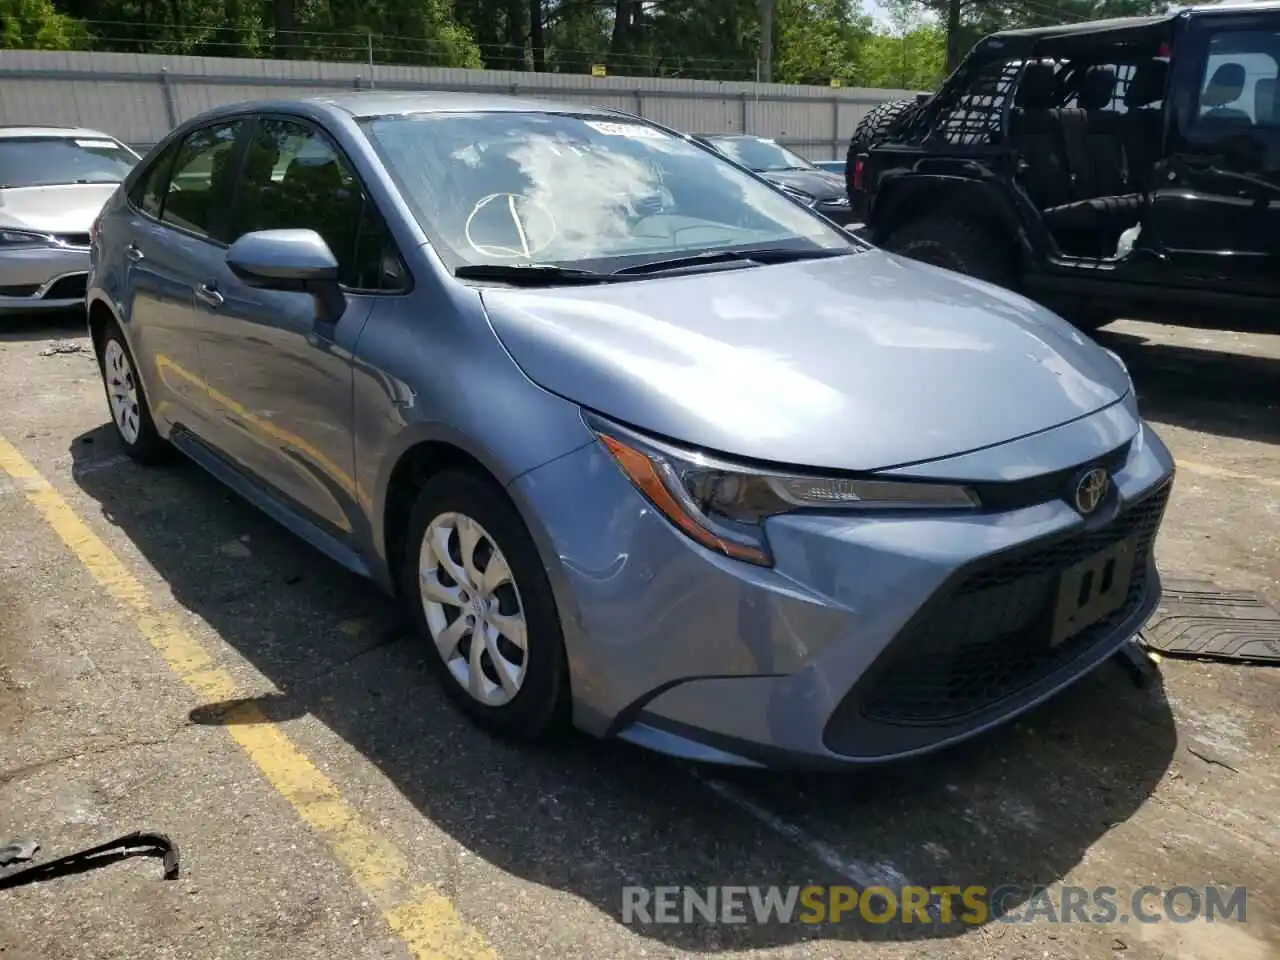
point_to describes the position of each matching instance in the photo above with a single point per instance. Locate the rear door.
(1215, 213)
(176, 212)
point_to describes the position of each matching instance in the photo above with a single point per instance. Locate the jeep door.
(1215, 212)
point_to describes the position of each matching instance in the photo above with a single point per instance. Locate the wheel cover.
(122, 391)
(473, 609)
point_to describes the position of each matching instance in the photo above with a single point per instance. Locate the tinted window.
(295, 178)
(200, 183)
(149, 191)
(758, 154)
(559, 188)
(46, 161)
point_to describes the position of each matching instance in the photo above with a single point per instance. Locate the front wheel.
(478, 594)
(955, 243)
(130, 412)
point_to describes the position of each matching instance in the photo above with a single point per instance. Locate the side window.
(295, 178)
(200, 182)
(148, 192)
(1239, 80)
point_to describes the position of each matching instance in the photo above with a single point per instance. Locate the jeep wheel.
(871, 130)
(954, 243)
(875, 124)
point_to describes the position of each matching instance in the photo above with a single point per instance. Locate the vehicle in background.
(835, 167)
(809, 184)
(53, 183)
(1115, 168)
(640, 442)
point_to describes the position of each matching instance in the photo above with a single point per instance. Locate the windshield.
(46, 161)
(759, 155)
(585, 191)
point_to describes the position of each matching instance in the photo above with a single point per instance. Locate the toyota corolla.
(643, 444)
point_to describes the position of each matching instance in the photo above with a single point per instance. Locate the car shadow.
(50, 325)
(1200, 388)
(1019, 806)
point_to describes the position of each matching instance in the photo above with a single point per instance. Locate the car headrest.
(1097, 88)
(1148, 83)
(1035, 89)
(1266, 99)
(310, 174)
(1225, 86)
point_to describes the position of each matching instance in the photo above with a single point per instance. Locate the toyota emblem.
(1091, 490)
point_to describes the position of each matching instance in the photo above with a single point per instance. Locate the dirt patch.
(14, 634)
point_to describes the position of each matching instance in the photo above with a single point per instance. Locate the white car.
(53, 183)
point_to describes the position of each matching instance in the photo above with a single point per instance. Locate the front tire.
(127, 401)
(957, 244)
(478, 595)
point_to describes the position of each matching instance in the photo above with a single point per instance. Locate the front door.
(281, 379)
(1215, 213)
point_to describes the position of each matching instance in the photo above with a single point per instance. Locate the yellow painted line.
(424, 919)
(1222, 473)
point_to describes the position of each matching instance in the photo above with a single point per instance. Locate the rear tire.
(955, 243)
(478, 595)
(127, 400)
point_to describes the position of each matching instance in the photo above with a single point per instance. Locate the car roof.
(1127, 24)
(9, 133)
(376, 103)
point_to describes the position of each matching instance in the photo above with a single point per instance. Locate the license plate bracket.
(1093, 589)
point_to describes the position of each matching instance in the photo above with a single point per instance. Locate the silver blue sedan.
(643, 444)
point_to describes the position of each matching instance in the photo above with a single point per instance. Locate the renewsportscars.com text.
(973, 905)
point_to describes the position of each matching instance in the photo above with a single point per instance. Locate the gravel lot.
(171, 660)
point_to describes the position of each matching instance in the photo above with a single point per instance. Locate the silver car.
(53, 183)
(642, 443)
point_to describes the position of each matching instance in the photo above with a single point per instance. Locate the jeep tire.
(955, 243)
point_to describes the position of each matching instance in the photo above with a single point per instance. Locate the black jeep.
(1114, 168)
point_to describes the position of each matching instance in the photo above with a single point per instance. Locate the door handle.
(133, 252)
(210, 295)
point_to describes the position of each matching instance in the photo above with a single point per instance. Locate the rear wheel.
(130, 412)
(955, 243)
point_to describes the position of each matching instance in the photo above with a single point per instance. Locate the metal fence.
(140, 97)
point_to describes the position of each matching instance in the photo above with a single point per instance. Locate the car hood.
(816, 183)
(63, 208)
(861, 362)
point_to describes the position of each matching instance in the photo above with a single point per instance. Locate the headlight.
(800, 195)
(24, 238)
(724, 506)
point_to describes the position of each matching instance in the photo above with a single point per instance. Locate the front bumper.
(872, 638)
(43, 278)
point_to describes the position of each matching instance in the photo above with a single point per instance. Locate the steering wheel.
(514, 202)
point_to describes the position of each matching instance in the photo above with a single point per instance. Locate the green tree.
(38, 25)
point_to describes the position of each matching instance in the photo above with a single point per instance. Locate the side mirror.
(291, 260)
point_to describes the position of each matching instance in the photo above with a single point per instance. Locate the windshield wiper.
(529, 274)
(760, 255)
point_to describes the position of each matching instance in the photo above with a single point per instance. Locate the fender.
(960, 186)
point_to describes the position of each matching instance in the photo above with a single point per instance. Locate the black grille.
(68, 288)
(19, 290)
(985, 638)
(74, 239)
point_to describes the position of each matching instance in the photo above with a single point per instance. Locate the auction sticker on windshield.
(95, 144)
(637, 130)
